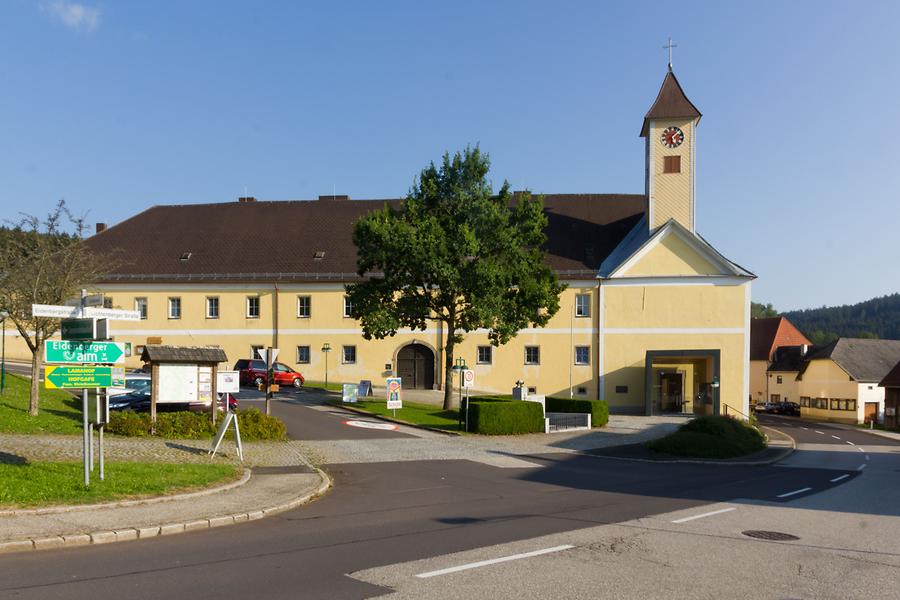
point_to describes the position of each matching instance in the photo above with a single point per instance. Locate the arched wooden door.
(415, 366)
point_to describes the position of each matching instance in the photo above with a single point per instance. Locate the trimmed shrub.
(711, 437)
(599, 409)
(497, 416)
(254, 425)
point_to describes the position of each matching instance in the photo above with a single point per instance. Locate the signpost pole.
(270, 376)
(87, 439)
(101, 423)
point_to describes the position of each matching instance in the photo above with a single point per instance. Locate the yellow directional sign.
(86, 376)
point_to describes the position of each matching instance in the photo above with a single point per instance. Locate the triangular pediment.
(673, 251)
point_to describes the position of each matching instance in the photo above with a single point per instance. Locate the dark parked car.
(787, 408)
(140, 402)
(253, 372)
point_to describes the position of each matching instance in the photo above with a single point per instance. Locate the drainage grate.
(775, 536)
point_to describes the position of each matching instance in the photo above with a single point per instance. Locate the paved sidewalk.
(281, 478)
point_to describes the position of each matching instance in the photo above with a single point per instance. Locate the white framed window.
(485, 355)
(304, 307)
(254, 352)
(348, 355)
(108, 303)
(583, 305)
(252, 307)
(348, 306)
(212, 307)
(582, 355)
(532, 355)
(140, 305)
(303, 355)
(174, 307)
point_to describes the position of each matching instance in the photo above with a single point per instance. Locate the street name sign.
(113, 314)
(92, 300)
(65, 376)
(84, 329)
(73, 352)
(55, 311)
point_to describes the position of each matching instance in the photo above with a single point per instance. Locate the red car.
(253, 372)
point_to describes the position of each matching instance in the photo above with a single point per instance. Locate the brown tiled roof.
(186, 354)
(311, 240)
(770, 333)
(892, 379)
(671, 103)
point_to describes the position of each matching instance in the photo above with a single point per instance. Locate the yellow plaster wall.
(824, 379)
(671, 192)
(758, 381)
(788, 389)
(708, 306)
(673, 256)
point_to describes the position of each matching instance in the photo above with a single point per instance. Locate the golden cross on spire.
(669, 47)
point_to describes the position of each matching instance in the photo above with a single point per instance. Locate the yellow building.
(654, 319)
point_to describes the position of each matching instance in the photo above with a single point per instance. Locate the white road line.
(820, 432)
(806, 428)
(860, 449)
(836, 479)
(493, 561)
(851, 443)
(800, 491)
(709, 514)
(835, 437)
(861, 467)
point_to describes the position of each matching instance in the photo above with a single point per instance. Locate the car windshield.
(138, 385)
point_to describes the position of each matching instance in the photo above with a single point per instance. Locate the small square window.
(778, 379)
(348, 355)
(485, 355)
(348, 306)
(108, 303)
(304, 307)
(582, 391)
(303, 355)
(140, 305)
(583, 305)
(254, 352)
(671, 164)
(175, 308)
(252, 307)
(532, 390)
(621, 389)
(212, 307)
(582, 355)
(532, 355)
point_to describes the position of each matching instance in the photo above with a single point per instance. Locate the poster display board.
(365, 388)
(394, 388)
(177, 383)
(350, 393)
(228, 382)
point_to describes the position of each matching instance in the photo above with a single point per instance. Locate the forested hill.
(878, 317)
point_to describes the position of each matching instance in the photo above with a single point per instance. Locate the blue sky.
(116, 106)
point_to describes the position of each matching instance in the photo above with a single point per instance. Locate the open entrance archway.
(415, 365)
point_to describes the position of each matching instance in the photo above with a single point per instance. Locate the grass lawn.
(47, 483)
(320, 385)
(417, 414)
(59, 412)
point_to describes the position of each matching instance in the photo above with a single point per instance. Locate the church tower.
(670, 131)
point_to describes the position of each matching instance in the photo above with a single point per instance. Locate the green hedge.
(599, 409)
(254, 425)
(500, 416)
(711, 437)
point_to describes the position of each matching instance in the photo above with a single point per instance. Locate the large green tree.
(455, 253)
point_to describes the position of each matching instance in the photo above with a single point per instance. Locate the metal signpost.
(84, 320)
(468, 380)
(269, 355)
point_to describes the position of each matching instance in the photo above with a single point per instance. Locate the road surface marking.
(835, 437)
(836, 479)
(371, 425)
(861, 467)
(820, 432)
(709, 514)
(493, 561)
(851, 443)
(806, 428)
(860, 449)
(800, 491)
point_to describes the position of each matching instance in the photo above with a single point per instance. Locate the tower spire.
(669, 47)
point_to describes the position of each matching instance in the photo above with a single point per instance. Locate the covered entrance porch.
(681, 382)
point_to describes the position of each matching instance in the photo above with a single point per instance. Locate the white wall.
(876, 394)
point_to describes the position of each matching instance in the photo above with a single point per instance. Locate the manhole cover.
(776, 536)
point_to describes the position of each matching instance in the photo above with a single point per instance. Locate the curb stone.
(105, 537)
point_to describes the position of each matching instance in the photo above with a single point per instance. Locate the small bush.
(254, 425)
(599, 409)
(496, 416)
(711, 437)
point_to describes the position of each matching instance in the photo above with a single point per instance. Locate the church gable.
(673, 251)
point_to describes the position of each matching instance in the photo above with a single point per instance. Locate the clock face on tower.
(672, 137)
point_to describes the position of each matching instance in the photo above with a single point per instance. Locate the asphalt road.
(386, 513)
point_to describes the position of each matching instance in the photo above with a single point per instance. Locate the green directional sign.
(72, 352)
(66, 376)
